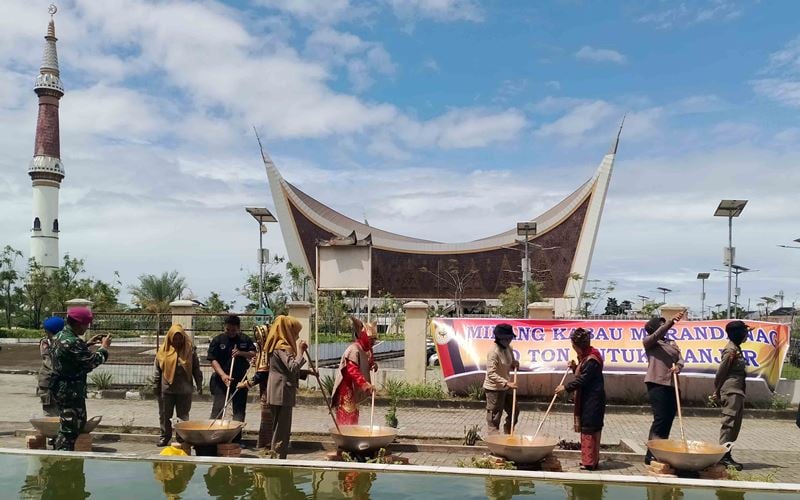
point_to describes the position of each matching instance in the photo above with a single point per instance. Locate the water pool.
(46, 477)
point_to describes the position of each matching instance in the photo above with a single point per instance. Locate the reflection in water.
(228, 482)
(174, 476)
(51, 477)
(342, 484)
(585, 491)
(730, 495)
(505, 489)
(275, 484)
(664, 493)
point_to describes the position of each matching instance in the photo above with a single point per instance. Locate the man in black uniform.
(230, 347)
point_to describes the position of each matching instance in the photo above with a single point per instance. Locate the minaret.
(46, 170)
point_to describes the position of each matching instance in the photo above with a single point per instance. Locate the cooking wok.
(361, 438)
(519, 448)
(691, 455)
(204, 432)
(48, 426)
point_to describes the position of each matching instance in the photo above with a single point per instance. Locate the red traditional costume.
(353, 376)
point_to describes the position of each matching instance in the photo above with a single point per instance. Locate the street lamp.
(644, 298)
(664, 291)
(703, 277)
(524, 229)
(737, 270)
(261, 215)
(730, 209)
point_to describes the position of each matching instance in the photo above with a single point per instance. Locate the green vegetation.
(154, 293)
(327, 384)
(101, 380)
(790, 372)
(735, 475)
(513, 298)
(486, 462)
(20, 333)
(471, 435)
(400, 389)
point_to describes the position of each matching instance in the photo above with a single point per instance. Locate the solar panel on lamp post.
(730, 209)
(261, 215)
(703, 277)
(664, 291)
(524, 229)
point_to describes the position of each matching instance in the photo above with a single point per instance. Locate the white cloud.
(783, 76)
(317, 11)
(683, 14)
(463, 128)
(361, 58)
(582, 119)
(587, 53)
(430, 64)
(438, 10)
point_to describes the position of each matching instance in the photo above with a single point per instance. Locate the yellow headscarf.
(283, 335)
(168, 357)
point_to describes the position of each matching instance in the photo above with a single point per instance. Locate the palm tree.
(154, 293)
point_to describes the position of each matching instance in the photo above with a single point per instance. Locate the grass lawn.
(790, 372)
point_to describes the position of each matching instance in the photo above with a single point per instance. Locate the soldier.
(52, 326)
(72, 360)
(730, 387)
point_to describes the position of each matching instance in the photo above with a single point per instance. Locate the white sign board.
(344, 268)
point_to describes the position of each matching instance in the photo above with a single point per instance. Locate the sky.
(441, 119)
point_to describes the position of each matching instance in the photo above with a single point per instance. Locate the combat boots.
(728, 461)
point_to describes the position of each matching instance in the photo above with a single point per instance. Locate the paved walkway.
(765, 445)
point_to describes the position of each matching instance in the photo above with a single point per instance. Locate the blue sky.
(414, 113)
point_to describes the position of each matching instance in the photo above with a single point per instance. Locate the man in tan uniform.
(498, 386)
(730, 387)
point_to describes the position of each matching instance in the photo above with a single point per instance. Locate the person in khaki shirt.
(729, 387)
(499, 363)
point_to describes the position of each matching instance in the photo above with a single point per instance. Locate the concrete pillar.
(302, 311)
(541, 310)
(183, 314)
(416, 329)
(669, 311)
(71, 304)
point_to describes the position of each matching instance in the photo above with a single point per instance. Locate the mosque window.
(37, 224)
(55, 226)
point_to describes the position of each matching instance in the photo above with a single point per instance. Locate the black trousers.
(172, 404)
(665, 407)
(238, 403)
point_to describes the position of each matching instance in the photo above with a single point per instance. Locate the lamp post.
(262, 216)
(525, 229)
(664, 292)
(730, 209)
(703, 277)
(644, 298)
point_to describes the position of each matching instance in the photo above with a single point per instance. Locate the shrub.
(101, 380)
(486, 462)
(476, 392)
(20, 333)
(399, 389)
(327, 384)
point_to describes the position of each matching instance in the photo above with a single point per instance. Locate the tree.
(154, 293)
(455, 279)
(298, 280)
(8, 279)
(612, 307)
(215, 304)
(512, 299)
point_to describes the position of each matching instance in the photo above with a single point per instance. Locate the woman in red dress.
(353, 382)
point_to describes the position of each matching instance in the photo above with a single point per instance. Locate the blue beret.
(53, 324)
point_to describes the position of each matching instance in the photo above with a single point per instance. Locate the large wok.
(362, 438)
(205, 432)
(520, 449)
(48, 426)
(689, 455)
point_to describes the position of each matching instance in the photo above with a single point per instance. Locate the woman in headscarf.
(590, 397)
(353, 381)
(261, 364)
(285, 356)
(176, 365)
(498, 384)
(663, 359)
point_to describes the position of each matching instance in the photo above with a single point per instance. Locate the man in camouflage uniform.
(730, 387)
(52, 326)
(72, 360)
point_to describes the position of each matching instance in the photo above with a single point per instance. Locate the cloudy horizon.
(413, 114)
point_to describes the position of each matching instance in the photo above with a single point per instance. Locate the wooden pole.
(322, 391)
(552, 401)
(372, 413)
(514, 404)
(678, 399)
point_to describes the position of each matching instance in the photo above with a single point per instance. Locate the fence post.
(72, 304)
(416, 329)
(301, 310)
(669, 311)
(183, 313)
(541, 310)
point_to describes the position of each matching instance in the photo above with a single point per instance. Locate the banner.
(543, 346)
